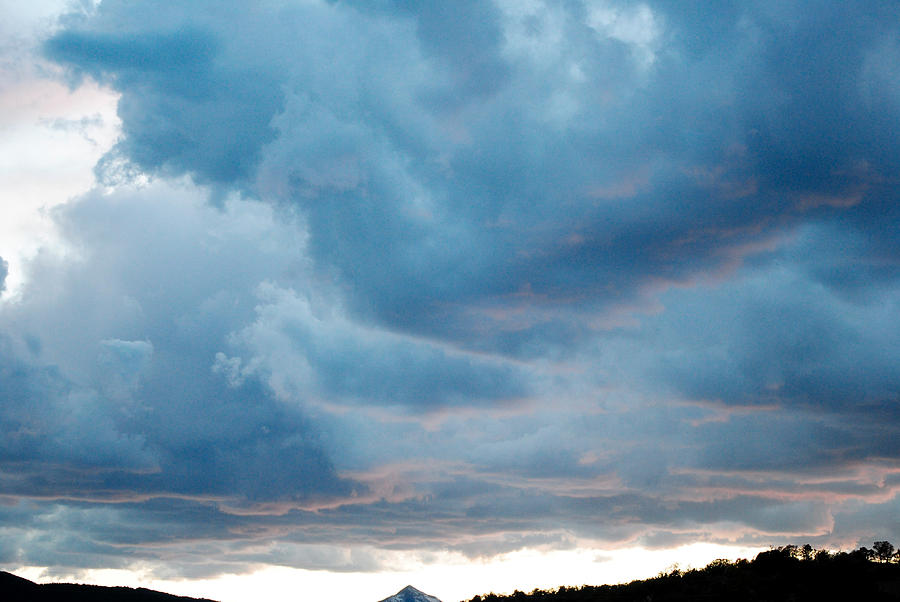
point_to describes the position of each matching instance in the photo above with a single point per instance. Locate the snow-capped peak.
(410, 594)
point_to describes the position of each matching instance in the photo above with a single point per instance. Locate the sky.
(332, 296)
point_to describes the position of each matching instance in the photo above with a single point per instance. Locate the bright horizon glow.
(450, 577)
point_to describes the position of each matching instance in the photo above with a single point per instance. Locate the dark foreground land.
(788, 574)
(17, 589)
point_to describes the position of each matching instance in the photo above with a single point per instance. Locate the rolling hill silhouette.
(17, 589)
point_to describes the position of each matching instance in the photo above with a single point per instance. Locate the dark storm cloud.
(185, 112)
(46, 420)
(523, 274)
(782, 338)
(344, 361)
(87, 414)
(466, 33)
(746, 120)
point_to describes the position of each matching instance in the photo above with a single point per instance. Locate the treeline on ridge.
(784, 574)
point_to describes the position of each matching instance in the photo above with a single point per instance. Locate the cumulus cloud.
(435, 183)
(477, 276)
(129, 383)
(47, 421)
(303, 355)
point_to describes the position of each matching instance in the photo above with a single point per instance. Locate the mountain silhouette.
(410, 594)
(17, 589)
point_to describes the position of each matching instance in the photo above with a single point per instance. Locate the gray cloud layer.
(512, 274)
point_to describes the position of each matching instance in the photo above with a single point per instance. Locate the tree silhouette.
(806, 552)
(783, 574)
(884, 550)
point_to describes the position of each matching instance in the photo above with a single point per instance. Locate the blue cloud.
(562, 181)
(781, 337)
(511, 269)
(307, 351)
(127, 57)
(121, 403)
(178, 99)
(48, 421)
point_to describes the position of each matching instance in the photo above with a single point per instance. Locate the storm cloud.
(470, 276)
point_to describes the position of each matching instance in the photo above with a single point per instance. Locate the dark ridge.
(17, 589)
(787, 574)
(13, 585)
